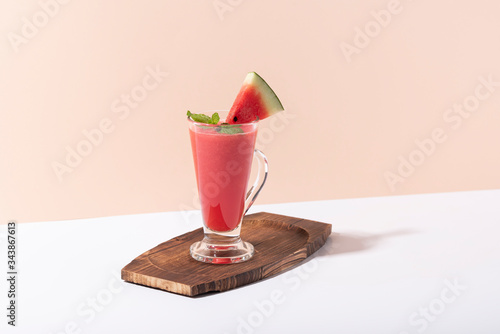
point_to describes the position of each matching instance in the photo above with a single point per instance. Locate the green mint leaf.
(215, 118)
(230, 130)
(199, 118)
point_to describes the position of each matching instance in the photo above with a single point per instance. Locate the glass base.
(232, 250)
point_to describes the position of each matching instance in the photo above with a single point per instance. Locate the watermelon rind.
(269, 97)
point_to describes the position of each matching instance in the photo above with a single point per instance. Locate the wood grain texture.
(280, 242)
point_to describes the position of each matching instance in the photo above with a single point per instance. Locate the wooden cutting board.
(280, 243)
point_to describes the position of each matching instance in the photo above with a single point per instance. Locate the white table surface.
(406, 264)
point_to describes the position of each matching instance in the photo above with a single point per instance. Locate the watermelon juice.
(222, 163)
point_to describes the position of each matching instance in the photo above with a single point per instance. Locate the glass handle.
(263, 169)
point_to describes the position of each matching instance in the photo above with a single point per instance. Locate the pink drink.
(222, 162)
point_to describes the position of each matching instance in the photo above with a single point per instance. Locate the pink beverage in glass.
(222, 155)
(222, 164)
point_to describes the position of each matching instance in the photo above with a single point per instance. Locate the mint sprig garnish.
(223, 128)
(229, 129)
(202, 118)
(215, 118)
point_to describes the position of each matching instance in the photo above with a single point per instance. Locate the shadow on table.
(337, 243)
(340, 243)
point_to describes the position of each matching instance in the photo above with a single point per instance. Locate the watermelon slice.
(255, 101)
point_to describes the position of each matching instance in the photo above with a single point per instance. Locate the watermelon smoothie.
(223, 153)
(222, 163)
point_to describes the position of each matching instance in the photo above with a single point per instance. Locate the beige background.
(350, 119)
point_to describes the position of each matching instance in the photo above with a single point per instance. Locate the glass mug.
(223, 158)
